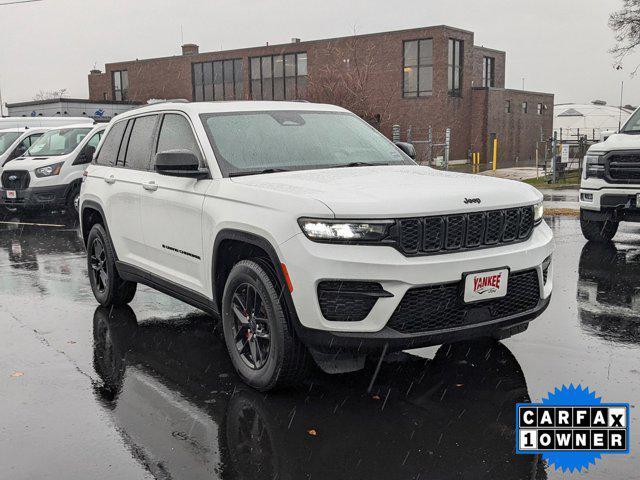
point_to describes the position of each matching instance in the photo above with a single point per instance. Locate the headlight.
(341, 231)
(49, 170)
(593, 165)
(538, 211)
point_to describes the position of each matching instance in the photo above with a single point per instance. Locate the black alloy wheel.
(251, 326)
(99, 265)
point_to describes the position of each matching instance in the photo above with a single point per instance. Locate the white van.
(33, 122)
(14, 142)
(50, 172)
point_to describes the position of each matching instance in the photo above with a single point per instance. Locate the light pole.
(2, 4)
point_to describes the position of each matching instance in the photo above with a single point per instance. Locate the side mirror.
(179, 163)
(17, 152)
(407, 148)
(85, 155)
(88, 153)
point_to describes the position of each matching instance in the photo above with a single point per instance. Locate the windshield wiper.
(258, 172)
(361, 164)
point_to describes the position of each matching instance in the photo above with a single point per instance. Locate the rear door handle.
(110, 179)
(151, 186)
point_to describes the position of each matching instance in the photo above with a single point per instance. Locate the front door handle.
(151, 186)
(110, 179)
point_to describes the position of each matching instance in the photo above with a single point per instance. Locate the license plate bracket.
(485, 285)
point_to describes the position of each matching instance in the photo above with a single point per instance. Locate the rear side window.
(109, 151)
(140, 143)
(176, 134)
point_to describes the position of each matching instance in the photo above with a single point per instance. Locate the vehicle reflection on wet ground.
(156, 382)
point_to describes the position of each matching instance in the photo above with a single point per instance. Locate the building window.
(120, 85)
(456, 52)
(279, 77)
(507, 106)
(489, 72)
(525, 107)
(220, 80)
(418, 68)
(540, 108)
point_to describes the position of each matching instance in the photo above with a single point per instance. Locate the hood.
(396, 191)
(617, 141)
(31, 163)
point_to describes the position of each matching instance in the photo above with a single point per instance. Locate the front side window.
(278, 77)
(57, 142)
(296, 140)
(138, 155)
(220, 80)
(456, 52)
(489, 72)
(7, 139)
(120, 85)
(176, 134)
(418, 68)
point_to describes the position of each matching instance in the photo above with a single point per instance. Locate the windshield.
(7, 139)
(292, 140)
(633, 124)
(57, 142)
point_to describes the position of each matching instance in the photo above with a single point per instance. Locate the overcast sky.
(558, 46)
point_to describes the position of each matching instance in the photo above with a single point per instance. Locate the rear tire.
(107, 285)
(263, 348)
(598, 230)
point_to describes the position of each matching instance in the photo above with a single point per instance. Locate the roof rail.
(157, 102)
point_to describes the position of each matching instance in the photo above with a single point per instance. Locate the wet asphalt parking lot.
(148, 391)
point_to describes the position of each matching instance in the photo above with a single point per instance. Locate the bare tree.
(50, 94)
(350, 75)
(626, 25)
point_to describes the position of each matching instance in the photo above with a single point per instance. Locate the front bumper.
(617, 203)
(33, 197)
(309, 263)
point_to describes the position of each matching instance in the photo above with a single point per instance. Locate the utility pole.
(620, 107)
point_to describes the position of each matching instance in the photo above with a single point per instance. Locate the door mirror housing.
(179, 163)
(407, 148)
(17, 152)
(85, 155)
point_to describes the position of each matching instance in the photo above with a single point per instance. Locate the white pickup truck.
(610, 186)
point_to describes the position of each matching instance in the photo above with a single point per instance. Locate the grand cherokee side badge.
(472, 200)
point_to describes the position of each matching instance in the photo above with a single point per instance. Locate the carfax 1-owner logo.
(572, 428)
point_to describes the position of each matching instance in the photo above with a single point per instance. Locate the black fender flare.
(90, 204)
(264, 244)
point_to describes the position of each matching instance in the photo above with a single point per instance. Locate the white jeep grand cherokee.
(610, 186)
(310, 233)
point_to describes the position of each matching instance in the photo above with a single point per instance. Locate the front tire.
(263, 349)
(598, 230)
(107, 285)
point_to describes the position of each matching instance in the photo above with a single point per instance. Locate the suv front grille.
(623, 167)
(438, 307)
(441, 234)
(15, 179)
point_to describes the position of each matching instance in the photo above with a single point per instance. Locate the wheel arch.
(230, 247)
(91, 212)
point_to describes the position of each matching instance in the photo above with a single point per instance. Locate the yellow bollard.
(495, 153)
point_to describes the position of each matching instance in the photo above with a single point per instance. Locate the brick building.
(425, 77)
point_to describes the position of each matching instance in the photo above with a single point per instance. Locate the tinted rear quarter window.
(140, 143)
(109, 151)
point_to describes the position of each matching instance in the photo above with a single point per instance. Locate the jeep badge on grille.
(472, 200)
